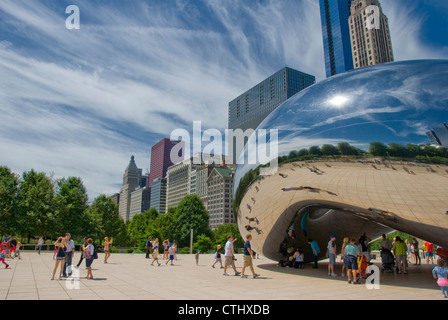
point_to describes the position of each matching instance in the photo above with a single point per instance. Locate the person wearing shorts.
(171, 251)
(332, 255)
(229, 257)
(247, 258)
(218, 256)
(155, 252)
(351, 253)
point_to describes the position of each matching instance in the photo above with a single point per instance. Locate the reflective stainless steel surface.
(371, 171)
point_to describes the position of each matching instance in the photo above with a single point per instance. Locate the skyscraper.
(371, 44)
(160, 159)
(249, 109)
(131, 181)
(334, 16)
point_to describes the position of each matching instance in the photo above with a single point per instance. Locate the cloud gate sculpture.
(354, 157)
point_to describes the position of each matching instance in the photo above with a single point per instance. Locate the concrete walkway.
(131, 277)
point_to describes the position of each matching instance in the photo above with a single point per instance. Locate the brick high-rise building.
(160, 159)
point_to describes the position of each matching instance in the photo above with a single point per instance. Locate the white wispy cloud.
(80, 102)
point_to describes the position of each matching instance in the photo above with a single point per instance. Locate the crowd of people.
(355, 250)
(404, 252)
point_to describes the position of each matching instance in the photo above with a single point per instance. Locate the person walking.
(70, 253)
(343, 256)
(331, 255)
(218, 256)
(171, 251)
(89, 252)
(12, 247)
(166, 245)
(196, 256)
(107, 243)
(83, 246)
(416, 251)
(3, 254)
(440, 273)
(39, 245)
(429, 251)
(351, 252)
(148, 247)
(155, 251)
(60, 246)
(247, 258)
(229, 256)
(399, 249)
(316, 251)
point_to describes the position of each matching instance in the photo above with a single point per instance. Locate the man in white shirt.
(70, 253)
(229, 256)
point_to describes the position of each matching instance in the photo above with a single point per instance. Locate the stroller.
(388, 261)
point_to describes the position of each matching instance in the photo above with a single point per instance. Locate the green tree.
(191, 214)
(315, 150)
(104, 218)
(71, 207)
(9, 188)
(203, 243)
(35, 214)
(219, 235)
(329, 150)
(137, 229)
(378, 149)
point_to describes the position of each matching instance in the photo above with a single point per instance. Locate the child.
(218, 256)
(155, 252)
(18, 249)
(196, 256)
(440, 273)
(171, 251)
(2, 258)
(298, 259)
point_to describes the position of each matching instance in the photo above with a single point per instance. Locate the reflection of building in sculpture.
(349, 196)
(439, 135)
(249, 109)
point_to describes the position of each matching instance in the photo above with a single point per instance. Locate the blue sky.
(81, 102)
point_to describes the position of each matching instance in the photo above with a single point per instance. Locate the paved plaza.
(131, 277)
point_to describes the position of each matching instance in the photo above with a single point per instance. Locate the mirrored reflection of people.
(316, 251)
(107, 243)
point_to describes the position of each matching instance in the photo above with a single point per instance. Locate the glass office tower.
(336, 35)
